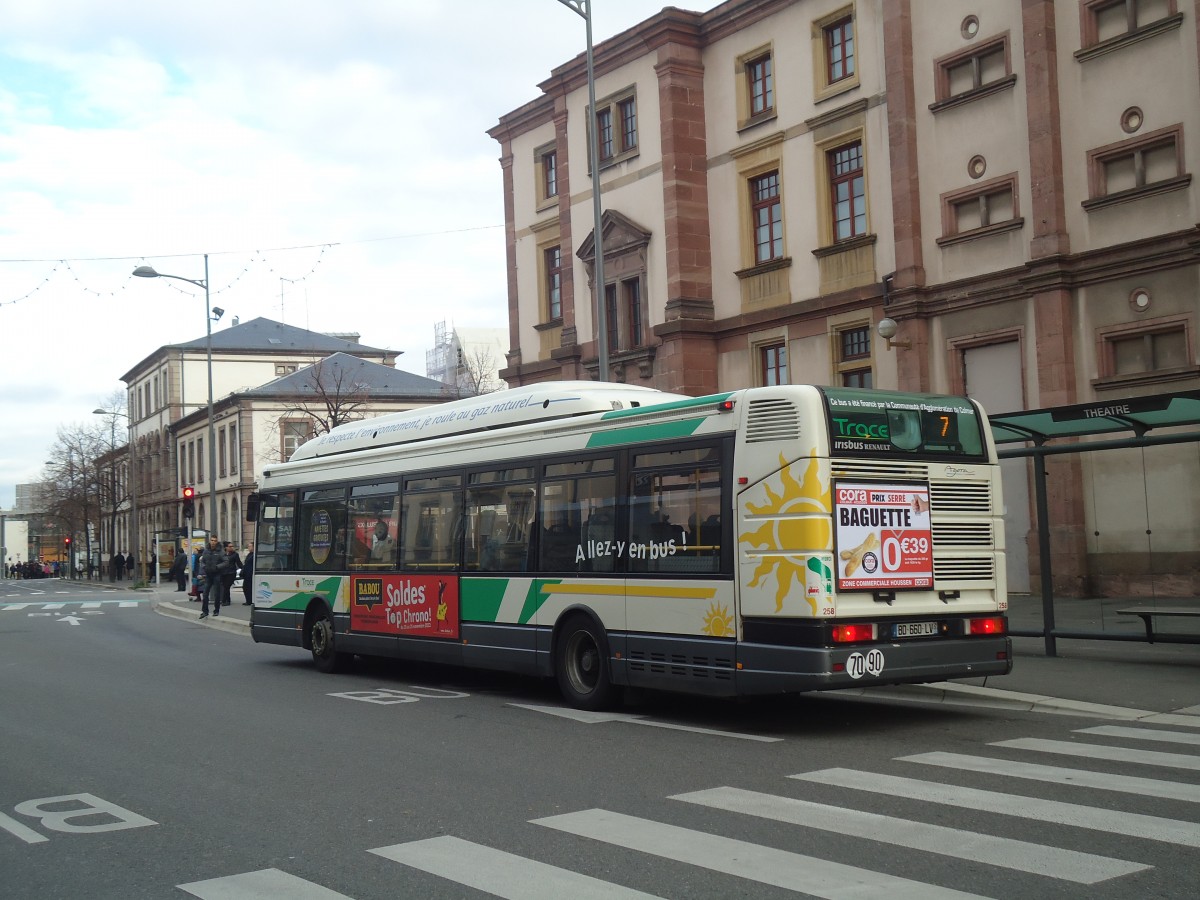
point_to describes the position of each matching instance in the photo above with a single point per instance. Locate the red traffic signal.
(67, 541)
(189, 492)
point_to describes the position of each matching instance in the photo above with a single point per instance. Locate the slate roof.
(353, 374)
(266, 335)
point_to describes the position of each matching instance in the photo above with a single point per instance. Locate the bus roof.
(502, 409)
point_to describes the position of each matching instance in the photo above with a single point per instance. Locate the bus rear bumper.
(772, 669)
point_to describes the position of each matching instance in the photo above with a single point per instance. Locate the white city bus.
(769, 540)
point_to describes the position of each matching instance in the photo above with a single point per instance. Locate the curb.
(187, 614)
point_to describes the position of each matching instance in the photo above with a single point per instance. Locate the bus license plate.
(915, 629)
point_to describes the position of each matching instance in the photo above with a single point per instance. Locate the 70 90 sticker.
(859, 664)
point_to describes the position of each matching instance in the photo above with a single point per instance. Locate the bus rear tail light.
(849, 634)
(994, 625)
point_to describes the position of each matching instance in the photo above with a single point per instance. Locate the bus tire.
(581, 665)
(322, 640)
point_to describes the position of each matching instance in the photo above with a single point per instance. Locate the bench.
(1147, 614)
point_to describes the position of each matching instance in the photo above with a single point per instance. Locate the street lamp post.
(133, 486)
(583, 9)
(149, 272)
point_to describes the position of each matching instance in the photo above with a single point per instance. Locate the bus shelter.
(1137, 422)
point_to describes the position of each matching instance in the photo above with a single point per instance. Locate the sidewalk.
(234, 618)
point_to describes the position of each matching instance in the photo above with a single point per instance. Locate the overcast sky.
(330, 157)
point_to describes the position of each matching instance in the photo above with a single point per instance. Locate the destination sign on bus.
(863, 422)
(422, 605)
(883, 535)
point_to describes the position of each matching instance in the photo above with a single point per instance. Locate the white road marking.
(1068, 865)
(1151, 828)
(1097, 751)
(1103, 781)
(502, 874)
(595, 718)
(266, 884)
(765, 865)
(1143, 734)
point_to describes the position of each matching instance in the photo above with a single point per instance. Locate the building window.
(616, 127)
(199, 460)
(191, 463)
(839, 49)
(632, 289)
(975, 72)
(761, 84)
(611, 328)
(221, 451)
(1138, 167)
(233, 450)
(292, 434)
(847, 189)
(852, 349)
(552, 262)
(767, 211)
(628, 111)
(1107, 24)
(981, 209)
(772, 360)
(1146, 351)
(284, 369)
(549, 174)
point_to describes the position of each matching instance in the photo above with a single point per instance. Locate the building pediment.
(621, 235)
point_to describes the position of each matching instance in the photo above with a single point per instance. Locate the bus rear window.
(868, 423)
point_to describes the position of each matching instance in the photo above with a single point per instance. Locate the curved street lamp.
(133, 486)
(149, 272)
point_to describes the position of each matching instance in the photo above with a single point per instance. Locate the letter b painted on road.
(80, 814)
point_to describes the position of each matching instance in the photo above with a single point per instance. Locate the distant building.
(468, 360)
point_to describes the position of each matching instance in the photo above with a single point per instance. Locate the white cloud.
(131, 128)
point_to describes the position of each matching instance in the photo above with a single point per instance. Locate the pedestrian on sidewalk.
(178, 571)
(233, 563)
(211, 562)
(248, 575)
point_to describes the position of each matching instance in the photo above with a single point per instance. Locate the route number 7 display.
(883, 537)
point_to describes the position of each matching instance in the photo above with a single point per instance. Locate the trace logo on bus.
(424, 605)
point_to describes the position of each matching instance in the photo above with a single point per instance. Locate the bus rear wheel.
(581, 665)
(322, 639)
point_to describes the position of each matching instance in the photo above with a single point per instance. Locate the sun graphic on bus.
(794, 525)
(718, 622)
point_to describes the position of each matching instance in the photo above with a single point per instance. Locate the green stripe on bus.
(636, 434)
(709, 400)
(534, 598)
(481, 598)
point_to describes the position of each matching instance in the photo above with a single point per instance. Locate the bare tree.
(477, 372)
(72, 484)
(329, 395)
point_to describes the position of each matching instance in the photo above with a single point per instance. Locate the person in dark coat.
(212, 562)
(178, 571)
(129, 565)
(116, 568)
(233, 562)
(248, 575)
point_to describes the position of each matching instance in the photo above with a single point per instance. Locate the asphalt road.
(145, 756)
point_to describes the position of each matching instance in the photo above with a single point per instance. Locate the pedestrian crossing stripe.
(1100, 751)
(1093, 781)
(265, 884)
(1067, 865)
(502, 874)
(63, 604)
(1152, 828)
(1143, 734)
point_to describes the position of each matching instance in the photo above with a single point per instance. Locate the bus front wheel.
(321, 637)
(581, 665)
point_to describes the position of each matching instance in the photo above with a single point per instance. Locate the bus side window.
(431, 530)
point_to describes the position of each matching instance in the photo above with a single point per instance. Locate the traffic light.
(189, 508)
(67, 542)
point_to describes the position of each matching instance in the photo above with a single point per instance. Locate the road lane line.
(753, 862)
(1151, 828)
(1096, 781)
(1066, 865)
(502, 874)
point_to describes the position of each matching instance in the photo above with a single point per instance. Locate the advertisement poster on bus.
(883, 535)
(421, 605)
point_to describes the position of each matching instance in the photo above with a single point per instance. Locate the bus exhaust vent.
(960, 496)
(682, 664)
(974, 569)
(772, 420)
(842, 469)
(962, 534)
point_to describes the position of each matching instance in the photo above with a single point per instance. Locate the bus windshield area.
(867, 422)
